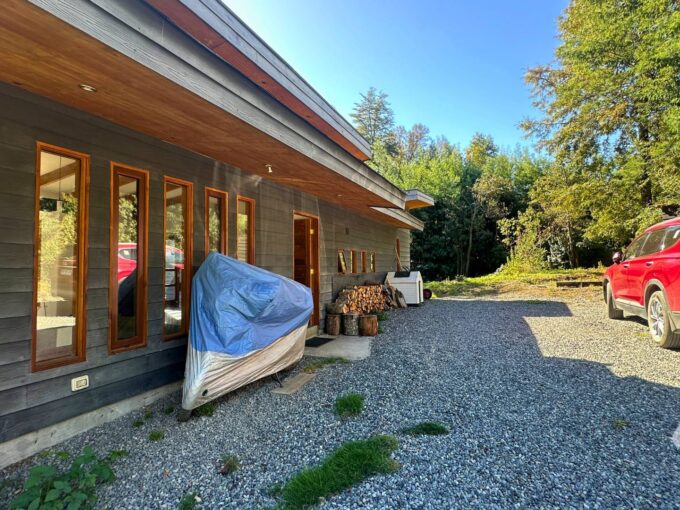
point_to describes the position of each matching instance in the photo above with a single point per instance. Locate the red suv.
(645, 281)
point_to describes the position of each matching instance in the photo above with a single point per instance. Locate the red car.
(645, 281)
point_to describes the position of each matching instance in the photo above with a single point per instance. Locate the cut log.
(350, 324)
(333, 324)
(368, 325)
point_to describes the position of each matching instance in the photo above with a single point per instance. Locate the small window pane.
(342, 263)
(216, 240)
(672, 237)
(58, 258)
(372, 262)
(175, 250)
(244, 220)
(654, 243)
(633, 249)
(128, 235)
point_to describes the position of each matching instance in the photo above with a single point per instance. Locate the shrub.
(229, 464)
(350, 404)
(188, 501)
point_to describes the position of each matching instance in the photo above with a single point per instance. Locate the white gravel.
(530, 390)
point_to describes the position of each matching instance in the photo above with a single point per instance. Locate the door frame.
(314, 261)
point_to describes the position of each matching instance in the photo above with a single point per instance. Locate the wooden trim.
(251, 228)
(189, 237)
(224, 217)
(140, 340)
(316, 280)
(81, 279)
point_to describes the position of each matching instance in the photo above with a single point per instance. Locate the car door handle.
(626, 266)
(649, 263)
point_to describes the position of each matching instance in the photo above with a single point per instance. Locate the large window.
(215, 221)
(128, 266)
(60, 257)
(245, 229)
(178, 233)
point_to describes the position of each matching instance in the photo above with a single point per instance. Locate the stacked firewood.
(364, 299)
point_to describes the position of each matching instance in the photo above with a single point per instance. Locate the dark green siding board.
(15, 352)
(13, 329)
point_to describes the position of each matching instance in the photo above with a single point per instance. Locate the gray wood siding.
(32, 400)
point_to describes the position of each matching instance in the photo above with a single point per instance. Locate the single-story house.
(135, 138)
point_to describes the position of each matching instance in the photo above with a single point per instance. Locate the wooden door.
(306, 257)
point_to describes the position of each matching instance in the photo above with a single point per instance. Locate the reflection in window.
(342, 263)
(177, 254)
(128, 266)
(245, 249)
(363, 262)
(216, 221)
(372, 262)
(354, 259)
(61, 203)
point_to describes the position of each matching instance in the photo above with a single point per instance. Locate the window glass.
(60, 283)
(244, 233)
(128, 266)
(177, 233)
(363, 261)
(342, 263)
(633, 249)
(654, 242)
(672, 237)
(372, 265)
(216, 221)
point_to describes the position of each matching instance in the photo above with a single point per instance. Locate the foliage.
(350, 404)
(169, 410)
(427, 428)
(323, 362)
(229, 464)
(156, 435)
(48, 488)
(373, 116)
(188, 501)
(207, 409)
(347, 466)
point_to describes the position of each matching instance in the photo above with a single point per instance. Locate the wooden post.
(368, 325)
(332, 324)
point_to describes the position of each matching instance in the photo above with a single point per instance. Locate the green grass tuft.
(347, 466)
(316, 365)
(229, 464)
(188, 501)
(169, 410)
(148, 413)
(427, 428)
(207, 409)
(381, 315)
(138, 423)
(350, 404)
(620, 423)
(156, 435)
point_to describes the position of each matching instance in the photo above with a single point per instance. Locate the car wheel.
(659, 322)
(612, 311)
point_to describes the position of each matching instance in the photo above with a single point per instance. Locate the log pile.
(364, 299)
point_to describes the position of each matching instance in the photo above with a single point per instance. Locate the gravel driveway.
(550, 405)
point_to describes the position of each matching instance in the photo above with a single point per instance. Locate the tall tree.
(373, 117)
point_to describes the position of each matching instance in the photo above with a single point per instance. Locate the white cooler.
(411, 286)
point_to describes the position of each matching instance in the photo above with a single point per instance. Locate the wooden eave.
(153, 78)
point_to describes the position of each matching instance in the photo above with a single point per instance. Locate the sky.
(456, 66)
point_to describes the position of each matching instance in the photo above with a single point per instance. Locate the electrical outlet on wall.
(80, 383)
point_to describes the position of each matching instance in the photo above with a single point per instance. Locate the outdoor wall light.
(269, 168)
(87, 88)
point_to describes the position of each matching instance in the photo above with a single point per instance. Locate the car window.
(672, 237)
(633, 249)
(654, 242)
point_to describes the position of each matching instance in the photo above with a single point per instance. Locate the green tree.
(373, 117)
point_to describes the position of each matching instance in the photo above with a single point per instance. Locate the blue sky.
(456, 66)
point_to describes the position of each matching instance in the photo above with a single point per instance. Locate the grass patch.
(156, 435)
(347, 466)
(350, 404)
(207, 409)
(169, 410)
(229, 464)
(427, 428)
(620, 424)
(498, 282)
(380, 314)
(148, 414)
(316, 365)
(138, 423)
(188, 501)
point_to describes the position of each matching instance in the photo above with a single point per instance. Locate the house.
(136, 137)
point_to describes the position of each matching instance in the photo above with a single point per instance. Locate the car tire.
(658, 319)
(612, 311)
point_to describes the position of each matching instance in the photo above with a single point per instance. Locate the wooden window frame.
(251, 229)
(81, 281)
(355, 261)
(363, 261)
(189, 236)
(224, 218)
(139, 340)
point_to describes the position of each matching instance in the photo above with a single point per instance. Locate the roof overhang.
(416, 199)
(153, 78)
(400, 218)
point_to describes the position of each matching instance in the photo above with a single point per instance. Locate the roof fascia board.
(408, 220)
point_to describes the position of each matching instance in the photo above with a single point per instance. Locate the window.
(215, 221)
(342, 263)
(60, 244)
(178, 234)
(128, 266)
(397, 252)
(372, 262)
(363, 261)
(245, 229)
(355, 261)
(634, 248)
(672, 237)
(654, 243)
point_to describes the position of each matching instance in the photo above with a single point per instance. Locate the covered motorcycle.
(246, 323)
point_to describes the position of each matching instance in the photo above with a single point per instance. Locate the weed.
(48, 488)
(156, 435)
(620, 423)
(427, 428)
(148, 413)
(382, 315)
(350, 404)
(229, 464)
(205, 410)
(316, 365)
(188, 501)
(138, 423)
(169, 410)
(62, 455)
(347, 466)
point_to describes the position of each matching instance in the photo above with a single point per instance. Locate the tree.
(373, 117)
(611, 108)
